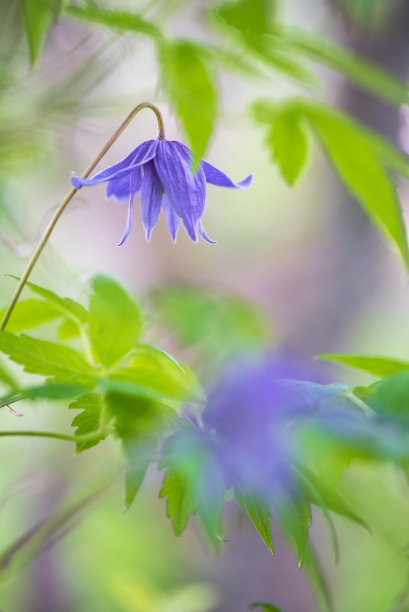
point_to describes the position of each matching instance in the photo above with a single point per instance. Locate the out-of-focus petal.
(172, 220)
(217, 177)
(134, 187)
(151, 198)
(203, 234)
(186, 191)
(142, 154)
(120, 188)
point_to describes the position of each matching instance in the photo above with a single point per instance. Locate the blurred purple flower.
(254, 416)
(162, 171)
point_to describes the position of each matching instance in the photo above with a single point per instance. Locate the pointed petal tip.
(247, 182)
(203, 234)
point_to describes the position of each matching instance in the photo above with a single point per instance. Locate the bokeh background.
(308, 257)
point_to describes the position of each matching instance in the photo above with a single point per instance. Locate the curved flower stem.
(70, 195)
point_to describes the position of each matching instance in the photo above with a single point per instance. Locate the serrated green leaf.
(189, 83)
(264, 606)
(155, 370)
(89, 420)
(179, 503)
(31, 313)
(362, 72)
(118, 20)
(260, 516)
(115, 320)
(289, 142)
(38, 17)
(66, 305)
(60, 363)
(378, 366)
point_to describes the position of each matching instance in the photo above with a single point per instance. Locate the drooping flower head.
(162, 171)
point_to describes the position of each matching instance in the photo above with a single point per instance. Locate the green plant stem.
(50, 434)
(68, 198)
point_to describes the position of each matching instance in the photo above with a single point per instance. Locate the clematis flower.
(162, 171)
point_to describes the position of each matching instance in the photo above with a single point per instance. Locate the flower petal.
(217, 177)
(145, 152)
(203, 234)
(134, 188)
(119, 188)
(186, 191)
(172, 220)
(151, 198)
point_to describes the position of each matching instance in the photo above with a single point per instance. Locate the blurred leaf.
(390, 397)
(189, 83)
(180, 503)
(317, 579)
(265, 607)
(115, 320)
(295, 519)
(330, 498)
(219, 324)
(120, 20)
(289, 144)
(61, 363)
(31, 313)
(359, 159)
(38, 16)
(260, 516)
(255, 16)
(378, 366)
(138, 457)
(365, 74)
(370, 14)
(7, 377)
(88, 421)
(151, 368)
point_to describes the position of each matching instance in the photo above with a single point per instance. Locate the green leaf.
(365, 74)
(153, 369)
(255, 16)
(31, 313)
(260, 516)
(115, 320)
(180, 503)
(60, 363)
(67, 330)
(38, 17)
(88, 421)
(295, 519)
(390, 397)
(264, 606)
(289, 142)
(329, 498)
(359, 156)
(189, 83)
(138, 457)
(66, 305)
(119, 20)
(378, 366)
(218, 324)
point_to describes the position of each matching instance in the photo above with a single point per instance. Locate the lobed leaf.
(260, 516)
(115, 321)
(60, 363)
(31, 313)
(88, 421)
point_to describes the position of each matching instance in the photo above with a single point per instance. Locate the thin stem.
(50, 434)
(70, 195)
